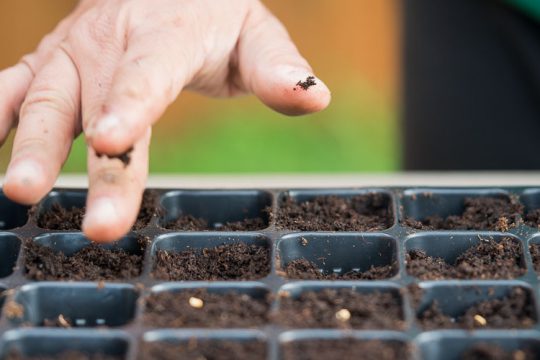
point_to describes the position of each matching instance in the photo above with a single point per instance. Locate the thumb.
(271, 67)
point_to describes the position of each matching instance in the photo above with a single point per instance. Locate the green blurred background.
(352, 45)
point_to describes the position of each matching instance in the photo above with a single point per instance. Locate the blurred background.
(353, 47)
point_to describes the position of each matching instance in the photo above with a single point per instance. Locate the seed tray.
(108, 316)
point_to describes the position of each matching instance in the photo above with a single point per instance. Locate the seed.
(480, 320)
(519, 355)
(63, 322)
(304, 241)
(196, 302)
(343, 315)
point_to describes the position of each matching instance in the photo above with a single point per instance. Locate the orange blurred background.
(352, 45)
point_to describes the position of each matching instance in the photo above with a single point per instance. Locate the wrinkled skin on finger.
(111, 68)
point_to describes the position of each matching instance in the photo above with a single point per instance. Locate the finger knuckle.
(42, 98)
(30, 144)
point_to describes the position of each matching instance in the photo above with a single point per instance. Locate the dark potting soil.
(199, 308)
(90, 263)
(370, 212)
(306, 84)
(192, 223)
(60, 218)
(346, 349)
(125, 157)
(481, 213)
(532, 218)
(207, 350)
(341, 308)
(238, 261)
(535, 254)
(514, 311)
(67, 355)
(485, 351)
(487, 260)
(303, 269)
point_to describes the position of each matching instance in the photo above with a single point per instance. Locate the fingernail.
(23, 172)
(102, 212)
(106, 124)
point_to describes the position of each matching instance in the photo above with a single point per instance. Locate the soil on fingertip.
(369, 212)
(490, 351)
(489, 259)
(479, 213)
(341, 308)
(125, 157)
(346, 349)
(90, 263)
(70, 219)
(238, 261)
(303, 269)
(192, 223)
(514, 311)
(306, 84)
(204, 349)
(200, 308)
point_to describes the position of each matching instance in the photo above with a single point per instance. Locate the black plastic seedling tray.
(110, 314)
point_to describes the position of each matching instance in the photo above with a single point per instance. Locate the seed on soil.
(343, 315)
(196, 302)
(514, 311)
(480, 320)
(337, 308)
(200, 308)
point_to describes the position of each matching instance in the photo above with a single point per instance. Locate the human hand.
(112, 67)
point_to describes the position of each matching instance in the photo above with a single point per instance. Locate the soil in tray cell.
(192, 223)
(514, 311)
(480, 213)
(535, 254)
(303, 269)
(204, 349)
(370, 212)
(484, 351)
(532, 218)
(341, 308)
(487, 260)
(345, 349)
(90, 263)
(237, 261)
(60, 218)
(199, 308)
(68, 355)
